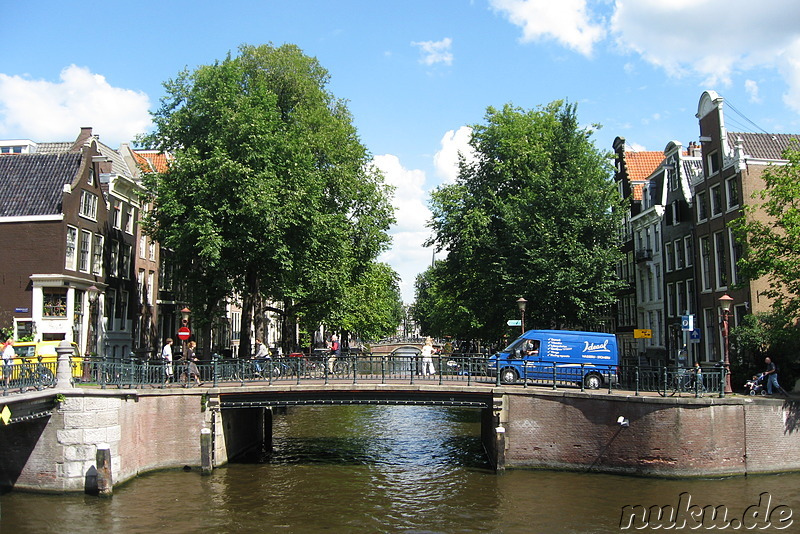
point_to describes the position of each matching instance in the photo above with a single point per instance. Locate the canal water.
(370, 469)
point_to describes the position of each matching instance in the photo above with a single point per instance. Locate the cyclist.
(261, 355)
(8, 360)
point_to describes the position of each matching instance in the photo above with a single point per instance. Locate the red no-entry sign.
(184, 333)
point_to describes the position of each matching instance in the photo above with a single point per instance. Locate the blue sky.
(416, 73)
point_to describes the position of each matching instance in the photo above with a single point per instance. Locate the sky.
(415, 73)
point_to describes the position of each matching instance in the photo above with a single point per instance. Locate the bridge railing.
(465, 369)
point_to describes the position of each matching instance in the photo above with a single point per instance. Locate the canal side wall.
(658, 436)
(143, 430)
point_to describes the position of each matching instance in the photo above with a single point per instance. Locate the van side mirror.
(518, 353)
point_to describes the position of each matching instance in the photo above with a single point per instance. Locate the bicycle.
(686, 381)
(35, 375)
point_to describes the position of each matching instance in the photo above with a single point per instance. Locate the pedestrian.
(8, 361)
(166, 357)
(427, 358)
(191, 364)
(772, 377)
(335, 351)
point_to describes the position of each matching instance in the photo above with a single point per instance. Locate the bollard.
(105, 484)
(500, 448)
(206, 465)
(63, 368)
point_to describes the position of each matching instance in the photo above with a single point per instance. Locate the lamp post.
(521, 303)
(725, 302)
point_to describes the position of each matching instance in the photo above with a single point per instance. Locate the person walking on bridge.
(427, 358)
(166, 357)
(335, 352)
(771, 375)
(8, 360)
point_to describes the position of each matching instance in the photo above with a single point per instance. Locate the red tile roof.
(642, 164)
(151, 160)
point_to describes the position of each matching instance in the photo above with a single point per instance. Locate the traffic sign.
(184, 333)
(514, 322)
(642, 333)
(687, 323)
(694, 335)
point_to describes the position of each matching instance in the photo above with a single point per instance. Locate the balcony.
(644, 254)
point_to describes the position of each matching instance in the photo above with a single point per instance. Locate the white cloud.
(566, 21)
(435, 51)
(446, 159)
(751, 87)
(43, 111)
(407, 256)
(714, 39)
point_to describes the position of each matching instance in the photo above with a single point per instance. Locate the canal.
(391, 469)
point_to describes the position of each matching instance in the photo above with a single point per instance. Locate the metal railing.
(465, 369)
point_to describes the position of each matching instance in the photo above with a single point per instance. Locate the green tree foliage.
(271, 192)
(769, 229)
(374, 306)
(535, 215)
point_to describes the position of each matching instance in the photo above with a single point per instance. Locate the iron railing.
(464, 369)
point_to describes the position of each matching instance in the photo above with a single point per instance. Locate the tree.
(535, 215)
(271, 193)
(374, 306)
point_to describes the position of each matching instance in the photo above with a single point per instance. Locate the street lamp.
(185, 313)
(521, 302)
(725, 302)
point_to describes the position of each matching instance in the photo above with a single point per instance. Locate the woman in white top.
(427, 358)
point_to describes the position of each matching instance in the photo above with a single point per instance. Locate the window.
(713, 163)
(716, 200)
(657, 239)
(54, 302)
(114, 262)
(88, 207)
(97, 256)
(124, 298)
(151, 277)
(680, 296)
(142, 246)
(705, 262)
(672, 178)
(710, 330)
(689, 250)
(690, 295)
(736, 255)
(91, 177)
(670, 256)
(116, 214)
(679, 263)
(236, 324)
(719, 256)
(72, 243)
(670, 300)
(732, 190)
(126, 250)
(129, 220)
(111, 309)
(702, 206)
(152, 250)
(140, 286)
(86, 245)
(658, 283)
(676, 212)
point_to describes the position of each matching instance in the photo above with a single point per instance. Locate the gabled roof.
(642, 164)
(33, 184)
(763, 146)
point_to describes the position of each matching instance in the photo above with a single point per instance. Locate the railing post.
(636, 380)
(413, 369)
(722, 382)
(355, 367)
(583, 387)
(439, 366)
(214, 368)
(104, 370)
(665, 380)
(383, 369)
(609, 370)
(554, 375)
(497, 370)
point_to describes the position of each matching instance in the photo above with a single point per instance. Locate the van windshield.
(528, 346)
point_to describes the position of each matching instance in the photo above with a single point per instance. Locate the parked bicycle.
(33, 373)
(685, 381)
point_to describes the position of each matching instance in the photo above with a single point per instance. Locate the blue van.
(588, 357)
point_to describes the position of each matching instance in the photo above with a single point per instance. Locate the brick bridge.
(55, 438)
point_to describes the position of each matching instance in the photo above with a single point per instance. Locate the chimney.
(85, 135)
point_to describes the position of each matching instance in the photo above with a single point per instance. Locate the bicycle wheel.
(44, 378)
(341, 369)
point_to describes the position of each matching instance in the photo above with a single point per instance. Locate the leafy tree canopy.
(271, 191)
(535, 215)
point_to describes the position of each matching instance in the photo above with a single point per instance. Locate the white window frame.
(669, 256)
(720, 260)
(688, 250)
(88, 208)
(702, 206)
(85, 251)
(71, 254)
(706, 272)
(717, 200)
(732, 193)
(129, 220)
(97, 255)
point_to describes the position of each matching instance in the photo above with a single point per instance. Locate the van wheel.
(593, 381)
(508, 376)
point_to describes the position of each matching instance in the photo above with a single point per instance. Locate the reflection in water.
(375, 469)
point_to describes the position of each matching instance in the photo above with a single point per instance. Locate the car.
(30, 351)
